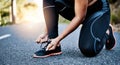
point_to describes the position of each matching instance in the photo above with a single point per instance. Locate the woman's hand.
(54, 43)
(42, 38)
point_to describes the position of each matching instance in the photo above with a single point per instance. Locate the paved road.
(17, 46)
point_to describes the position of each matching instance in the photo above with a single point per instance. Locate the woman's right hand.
(42, 38)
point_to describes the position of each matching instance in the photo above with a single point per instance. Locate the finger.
(52, 48)
(43, 40)
(39, 39)
(48, 47)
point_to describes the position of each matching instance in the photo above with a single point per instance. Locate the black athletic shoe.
(42, 53)
(110, 43)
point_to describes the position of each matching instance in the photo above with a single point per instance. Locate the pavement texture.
(18, 48)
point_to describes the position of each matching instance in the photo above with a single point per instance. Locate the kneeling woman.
(93, 14)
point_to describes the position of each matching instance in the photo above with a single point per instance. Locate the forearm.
(80, 13)
(71, 27)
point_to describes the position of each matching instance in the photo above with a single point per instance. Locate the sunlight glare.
(34, 14)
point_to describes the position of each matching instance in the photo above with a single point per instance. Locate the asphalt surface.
(19, 46)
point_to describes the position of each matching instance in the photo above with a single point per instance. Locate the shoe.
(42, 53)
(110, 43)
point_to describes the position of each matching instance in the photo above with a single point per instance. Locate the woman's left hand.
(54, 43)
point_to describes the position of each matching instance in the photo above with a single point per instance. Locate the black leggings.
(92, 35)
(52, 8)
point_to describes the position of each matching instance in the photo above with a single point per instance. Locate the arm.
(80, 13)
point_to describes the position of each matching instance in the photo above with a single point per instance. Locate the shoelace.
(46, 44)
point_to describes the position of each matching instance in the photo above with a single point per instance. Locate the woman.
(93, 14)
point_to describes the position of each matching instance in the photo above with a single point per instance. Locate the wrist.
(59, 38)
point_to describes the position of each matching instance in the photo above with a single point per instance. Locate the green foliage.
(115, 11)
(4, 21)
(4, 18)
(119, 13)
(4, 11)
(5, 4)
(112, 1)
(20, 3)
(114, 19)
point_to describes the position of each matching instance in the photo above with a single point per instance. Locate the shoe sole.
(113, 45)
(52, 54)
(114, 41)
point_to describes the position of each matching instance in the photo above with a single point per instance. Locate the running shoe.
(110, 43)
(42, 53)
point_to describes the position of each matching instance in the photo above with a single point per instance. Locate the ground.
(19, 45)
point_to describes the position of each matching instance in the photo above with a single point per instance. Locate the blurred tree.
(20, 6)
(13, 10)
(115, 11)
(4, 11)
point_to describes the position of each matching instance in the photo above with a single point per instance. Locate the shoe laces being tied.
(44, 45)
